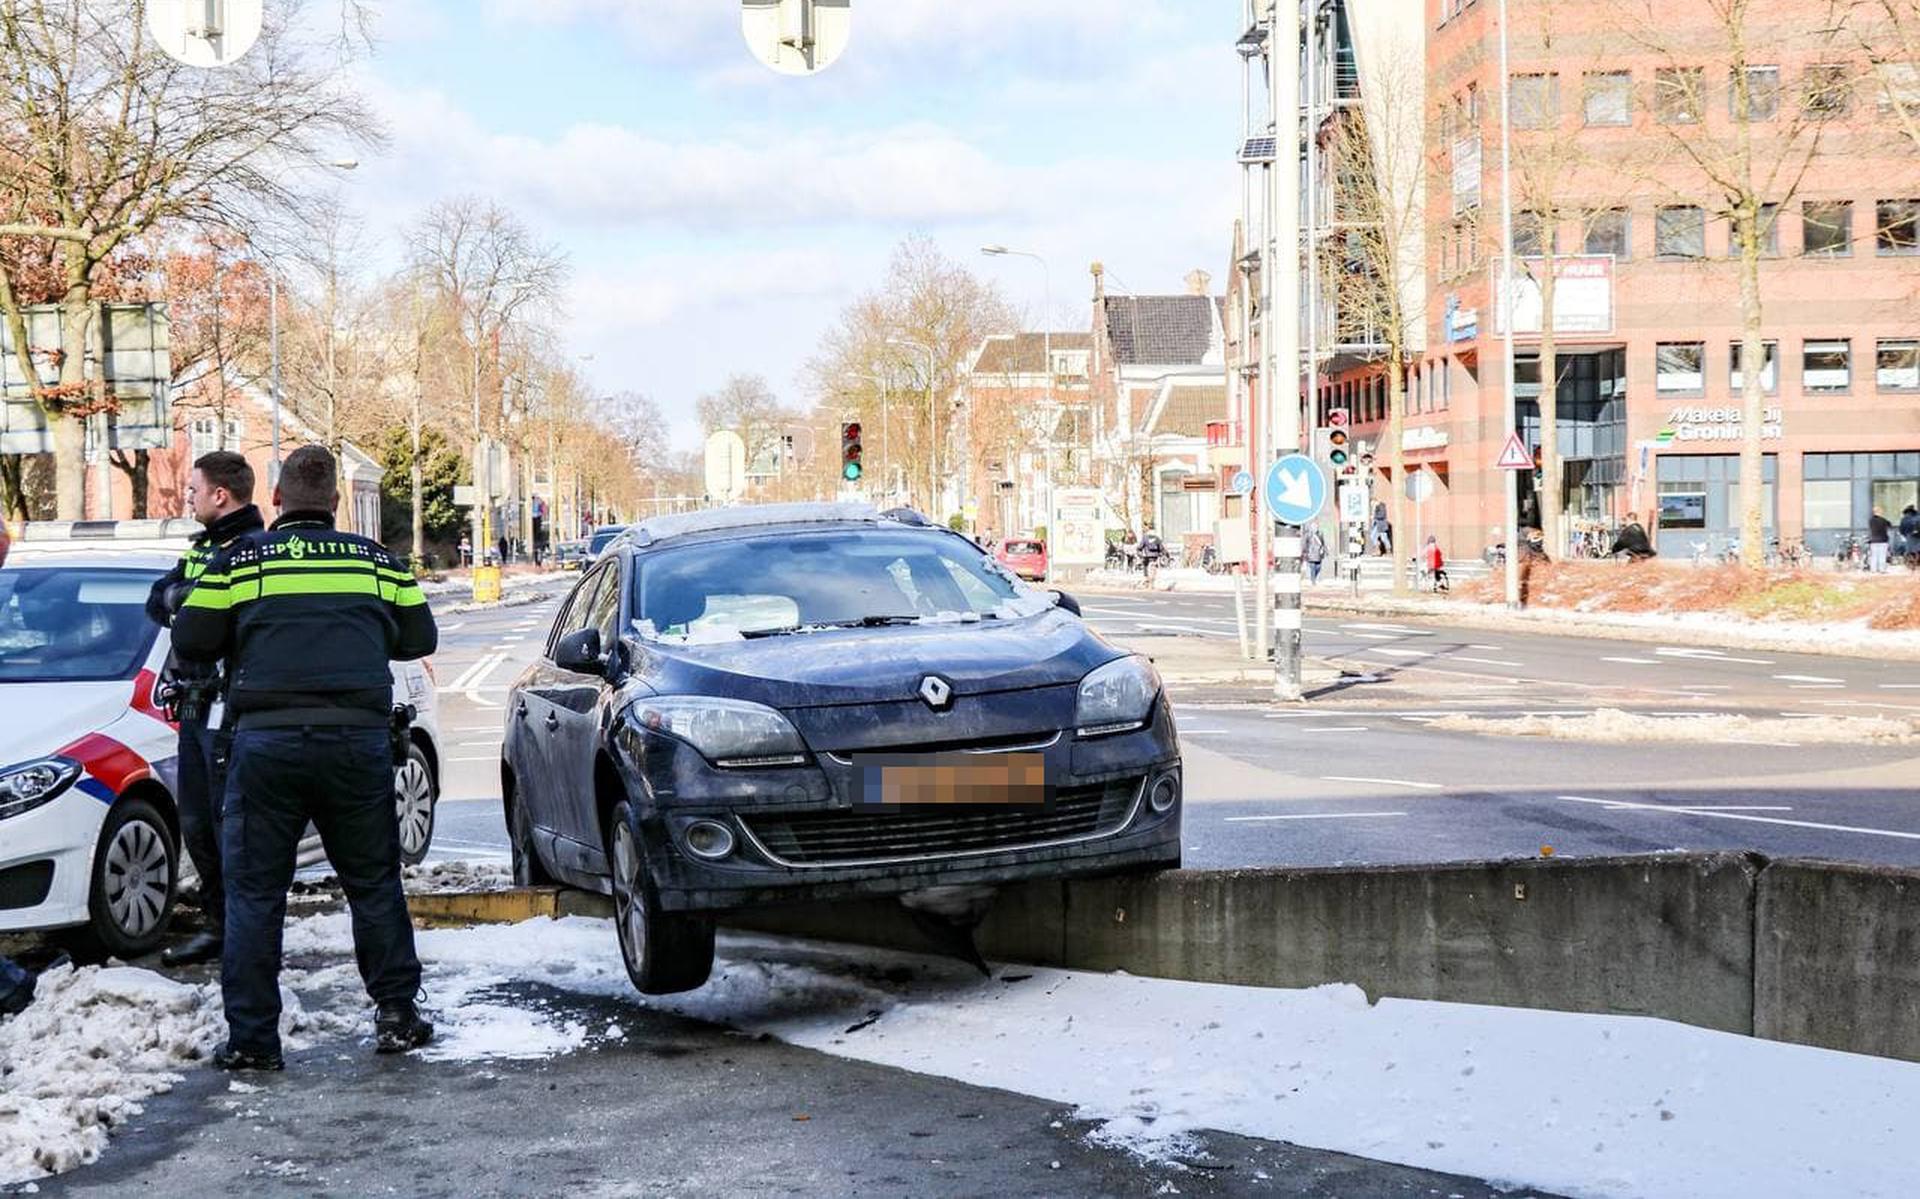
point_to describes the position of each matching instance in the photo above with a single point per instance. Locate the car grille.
(875, 838)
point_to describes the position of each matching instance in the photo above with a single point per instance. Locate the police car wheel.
(664, 952)
(413, 802)
(136, 869)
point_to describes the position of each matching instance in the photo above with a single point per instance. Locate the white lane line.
(1312, 816)
(474, 673)
(1421, 719)
(1708, 655)
(1705, 813)
(1400, 653)
(1634, 661)
(1489, 647)
(1482, 661)
(455, 627)
(1806, 678)
(1205, 733)
(1418, 786)
(1335, 728)
(1900, 686)
(1364, 636)
(1295, 716)
(1401, 629)
(1816, 686)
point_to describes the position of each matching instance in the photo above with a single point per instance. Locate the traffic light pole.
(1280, 382)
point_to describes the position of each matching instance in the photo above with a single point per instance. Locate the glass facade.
(1841, 490)
(1698, 502)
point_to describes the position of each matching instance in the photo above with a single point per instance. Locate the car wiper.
(864, 622)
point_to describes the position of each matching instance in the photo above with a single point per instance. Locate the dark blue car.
(753, 706)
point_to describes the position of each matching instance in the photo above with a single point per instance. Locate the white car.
(89, 834)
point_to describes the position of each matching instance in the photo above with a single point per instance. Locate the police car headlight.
(727, 732)
(1117, 697)
(31, 784)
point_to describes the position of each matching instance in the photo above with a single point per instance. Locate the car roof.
(116, 555)
(750, 519)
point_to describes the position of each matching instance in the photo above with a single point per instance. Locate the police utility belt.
(397, 722)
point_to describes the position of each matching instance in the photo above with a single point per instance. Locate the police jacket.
(308, 619)
(166, 596)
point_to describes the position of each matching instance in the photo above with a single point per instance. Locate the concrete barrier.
(1837, 957)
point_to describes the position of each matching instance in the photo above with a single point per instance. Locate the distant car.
(570, 555)
(1025, 557)
(603, 537)
(815, 701)
(89, 831)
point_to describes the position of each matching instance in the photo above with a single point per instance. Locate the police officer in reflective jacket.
(308, 618)
(220, 496)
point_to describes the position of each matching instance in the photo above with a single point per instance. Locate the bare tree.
(747, 405)
(1751, 156)
(110, 138)
(1887, 33)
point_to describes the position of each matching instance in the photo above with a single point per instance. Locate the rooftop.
(1025, 353)
(1164, 330)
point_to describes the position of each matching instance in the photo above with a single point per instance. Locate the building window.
(1899, 88)
(1827, 91)
(1763, 94)
(1529, 240)
(1826, 366)
(1536, 101)
(1897, 229)
(1679, 367)
(1826, 228)
(1828, 504)
(1679, 95)
(1898, 365)
(204, 435)
(1610, 231)
(1607, 97)
(1769, 368)
(1769, 233)
(1680, 231)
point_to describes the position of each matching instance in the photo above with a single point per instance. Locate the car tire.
(527, 868)
(664, 952)
(415, 799)
(136, 871)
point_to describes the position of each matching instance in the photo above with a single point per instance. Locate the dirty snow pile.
(1580, 1104)
(1611, 724)
(463, 877)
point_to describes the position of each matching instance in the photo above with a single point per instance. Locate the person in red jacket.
(6, 539)
(1435, 563)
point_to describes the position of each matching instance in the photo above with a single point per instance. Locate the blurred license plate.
(953, 780)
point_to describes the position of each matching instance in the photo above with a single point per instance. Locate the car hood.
(844, 666)
(38, 718)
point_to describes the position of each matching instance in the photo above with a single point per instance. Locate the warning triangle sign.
(1516, 455)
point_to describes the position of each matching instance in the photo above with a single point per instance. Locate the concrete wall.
(1837, 957)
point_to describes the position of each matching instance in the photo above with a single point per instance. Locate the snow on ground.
(1611, 724)
(1586, 1105)
(433, 878)
(94, 1043)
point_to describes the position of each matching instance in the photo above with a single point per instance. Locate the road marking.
(1710, 655)
(1366, 636)
(475, 672)
(1313, 816)
(1491, 647)
(1400, 653)
(1341, 778)
(1337, 728)
(1806, 678)
(1900, 686)
(1403, 630)
(1816, 686)
(1295, 716)
(1719, 815)
(1421, 719)
(1634, 661)
(1482, 661)
(455, 627)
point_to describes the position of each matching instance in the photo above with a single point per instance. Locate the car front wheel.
(136, 867)
(413, 802)
(664, 952)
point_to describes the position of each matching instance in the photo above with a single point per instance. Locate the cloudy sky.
(718, 214)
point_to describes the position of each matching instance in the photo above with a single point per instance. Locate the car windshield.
(763, 585)
(65, 624)
(602, 537)
(1023, 547)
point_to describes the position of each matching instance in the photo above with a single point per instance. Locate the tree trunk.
(68, 432)
(418, 517)
(1753, 395)
(1553, 535)
(1396, 464)
(138, 470)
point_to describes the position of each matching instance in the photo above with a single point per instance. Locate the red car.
(1026, 558)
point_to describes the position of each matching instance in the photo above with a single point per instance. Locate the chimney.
(1099, 281)
(1199, 283)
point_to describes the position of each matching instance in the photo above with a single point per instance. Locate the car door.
(534, 718)
(574, 729)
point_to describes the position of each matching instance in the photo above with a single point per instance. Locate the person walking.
(308, 618)
(466, 550)
(1879, 532)
(1909, 534)
(1632, 540)
(1314, 550)
(220, 497)
(1380, 536)
(1434, 562)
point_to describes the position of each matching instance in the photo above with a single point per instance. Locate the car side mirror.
(579, 652)
(1062, 600)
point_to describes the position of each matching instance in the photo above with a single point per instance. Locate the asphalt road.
(1357, 776)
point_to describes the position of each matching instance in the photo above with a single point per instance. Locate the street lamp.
(1046, 351)
(933, 441)
(273, 331)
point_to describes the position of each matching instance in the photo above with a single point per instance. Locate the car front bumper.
(59, 838)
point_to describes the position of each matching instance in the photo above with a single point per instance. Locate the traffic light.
(1333, 446)
(851, 466)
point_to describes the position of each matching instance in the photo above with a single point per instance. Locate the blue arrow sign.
(1296, 489)
(1243, 482)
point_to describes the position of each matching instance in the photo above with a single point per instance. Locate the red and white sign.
(1515, 455)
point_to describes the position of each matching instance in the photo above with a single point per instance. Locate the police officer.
(308, 618)
(220, 496)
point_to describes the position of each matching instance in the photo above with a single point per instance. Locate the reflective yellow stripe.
(215, 598)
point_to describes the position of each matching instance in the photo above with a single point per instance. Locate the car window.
(577, 612)
(604, 613)
(73, 625)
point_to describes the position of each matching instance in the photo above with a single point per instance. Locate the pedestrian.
(1909, 535)
(503, 547)
(466, 550)
(1435, 563)
(220, 497)
(1632, 540)
(1314, 550)
(1380, 536)
(308, 618)
(1879, 532)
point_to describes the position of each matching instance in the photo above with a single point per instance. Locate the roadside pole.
(1509, 417)
(1280, 374)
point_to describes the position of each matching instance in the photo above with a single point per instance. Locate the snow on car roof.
(39, 555)
(753, 516)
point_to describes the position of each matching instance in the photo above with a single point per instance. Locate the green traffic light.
(852, 472)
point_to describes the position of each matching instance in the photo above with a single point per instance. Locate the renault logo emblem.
(936, 691)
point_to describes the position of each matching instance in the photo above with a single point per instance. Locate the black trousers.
(342, 780)
(202, 792)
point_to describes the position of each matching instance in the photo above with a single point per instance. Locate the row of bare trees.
(1711, 121)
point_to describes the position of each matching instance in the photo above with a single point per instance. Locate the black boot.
(228, 1057)
(397, 1027)
(200, 947)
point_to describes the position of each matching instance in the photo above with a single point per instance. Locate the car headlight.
(728, 732)
(1117, 697)
(30, 784)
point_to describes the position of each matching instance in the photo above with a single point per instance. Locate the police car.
(88, 760)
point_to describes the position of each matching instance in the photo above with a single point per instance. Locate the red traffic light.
(1337, 417)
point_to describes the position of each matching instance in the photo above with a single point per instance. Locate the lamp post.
(1046, 351)
(273, 334)
(1510, 418)
(933, 431)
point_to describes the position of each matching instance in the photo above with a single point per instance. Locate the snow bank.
(1586, 1105)
(440, 877)
(1611, 724)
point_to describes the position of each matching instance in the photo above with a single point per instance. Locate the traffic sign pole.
(1295, 492)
